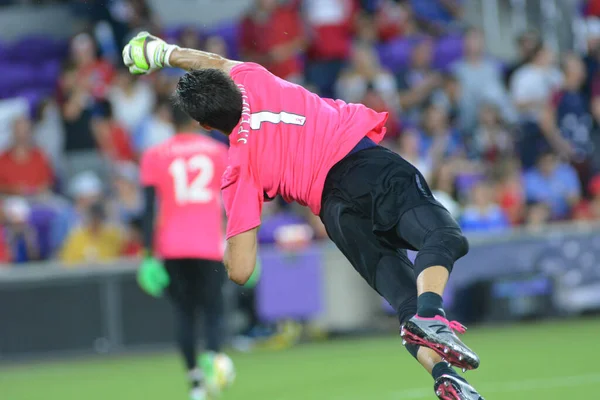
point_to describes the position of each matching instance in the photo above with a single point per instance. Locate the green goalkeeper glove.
(152, 277)
(146, 53)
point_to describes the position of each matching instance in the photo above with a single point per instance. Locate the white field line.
(511, 386)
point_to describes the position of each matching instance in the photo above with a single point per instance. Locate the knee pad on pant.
(442, 247)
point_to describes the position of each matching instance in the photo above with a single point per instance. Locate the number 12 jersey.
(286, 142)
(186, 172)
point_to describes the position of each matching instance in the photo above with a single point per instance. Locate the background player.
(181, 178)
(323, 153)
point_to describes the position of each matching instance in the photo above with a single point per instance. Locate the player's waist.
(365, 143)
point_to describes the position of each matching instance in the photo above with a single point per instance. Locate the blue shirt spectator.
(482, 214)
(441, 12)
(553, 183)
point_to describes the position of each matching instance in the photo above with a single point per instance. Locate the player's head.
(210, 97)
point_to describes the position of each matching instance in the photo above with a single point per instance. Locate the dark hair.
(210, 97)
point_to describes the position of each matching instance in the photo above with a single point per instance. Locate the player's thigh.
(182, 282)
(211, 279)
(372, 258)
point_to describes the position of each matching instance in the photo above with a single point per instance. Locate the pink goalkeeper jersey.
(186, 172)
(286, 142)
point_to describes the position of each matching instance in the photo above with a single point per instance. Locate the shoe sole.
(446, 391)
(413, 334)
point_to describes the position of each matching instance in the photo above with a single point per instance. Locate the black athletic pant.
(375, 206)
(196, 285)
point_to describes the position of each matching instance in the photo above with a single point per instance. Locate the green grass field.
(542, 361)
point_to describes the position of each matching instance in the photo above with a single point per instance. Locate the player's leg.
(183, 297)
(210, 288)
(431, 230)
(391, 274)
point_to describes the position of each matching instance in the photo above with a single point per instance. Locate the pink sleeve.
(147, 169)
(242, 200)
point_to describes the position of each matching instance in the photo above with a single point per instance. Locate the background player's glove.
(152, 277)
(146, 53)
(255, 277)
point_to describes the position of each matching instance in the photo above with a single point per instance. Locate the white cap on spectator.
(85, 184)
(17, 209)
(593, 27)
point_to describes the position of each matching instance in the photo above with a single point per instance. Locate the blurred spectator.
(133, 239)
(157, 127)
(538, 215)
(330, 24)
(94, 241)
(439, 140)
(394, 19)
(5, 254)
(409, 146)
(49, 133)
(589, 210)
(533, 84)
(20, 237)
(365, 72)
(439, 13)
(443, 188)
(480, 81)
(448, 96)
(85, 189)
(272, 35)
(592, 8)
(511, 194)
(491, 141)
(24, 169)
(85, 81)
(553, 183)
(482, 213)
(527, 44)
(128, 201)
(418, 82)
(113, 141)
(567, 122)
(216, 45)
(189, 38)
(139, 16)
(132, 100)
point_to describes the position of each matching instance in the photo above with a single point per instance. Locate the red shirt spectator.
(92, 73)
(592, 8)
(273, 36)
(332, 24)
(112, 139)
(24, 169)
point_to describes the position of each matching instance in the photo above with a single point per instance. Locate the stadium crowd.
(502, 144)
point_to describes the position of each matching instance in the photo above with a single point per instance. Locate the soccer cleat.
(448, 387)
(438, 334)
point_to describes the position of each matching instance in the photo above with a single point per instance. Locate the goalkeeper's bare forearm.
(190, 59)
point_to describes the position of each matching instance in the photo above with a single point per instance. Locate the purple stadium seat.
(35, 49)
(395, 55)
(447, 50)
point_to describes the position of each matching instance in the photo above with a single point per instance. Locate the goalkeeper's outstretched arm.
(146, 53)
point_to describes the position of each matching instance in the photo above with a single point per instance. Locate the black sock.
(429, 305)
(443, 368)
